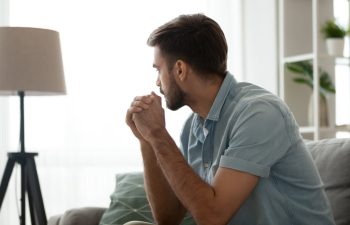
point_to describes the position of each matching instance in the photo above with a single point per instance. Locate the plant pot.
(335, 46)
(323, 111)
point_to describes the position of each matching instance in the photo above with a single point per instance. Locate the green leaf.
(331, 29)
(303, 81)
(304, 69)
(326, 82)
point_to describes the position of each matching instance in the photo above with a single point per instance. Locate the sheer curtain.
(82, 138)
(342, 78)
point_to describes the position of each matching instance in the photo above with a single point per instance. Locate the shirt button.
(206, 165)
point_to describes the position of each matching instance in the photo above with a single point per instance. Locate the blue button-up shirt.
(251, 130)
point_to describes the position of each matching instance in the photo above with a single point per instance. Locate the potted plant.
(304, 72)
(334, 35)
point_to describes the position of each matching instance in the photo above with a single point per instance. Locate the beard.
(175, 97)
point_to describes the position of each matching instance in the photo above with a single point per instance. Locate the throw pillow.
(129, 202)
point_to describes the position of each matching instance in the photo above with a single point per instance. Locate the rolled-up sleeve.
(258, 139)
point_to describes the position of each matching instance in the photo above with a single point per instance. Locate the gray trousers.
(137, 223)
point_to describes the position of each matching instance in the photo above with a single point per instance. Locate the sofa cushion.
(332, 158)
(86, 216)
(129, 202)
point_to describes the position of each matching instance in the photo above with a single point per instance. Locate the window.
(342, 71)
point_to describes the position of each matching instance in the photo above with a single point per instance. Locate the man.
(241, 160)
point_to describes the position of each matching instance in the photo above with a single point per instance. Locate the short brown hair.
(196, 39)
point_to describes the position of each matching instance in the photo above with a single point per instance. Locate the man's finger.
(130, 112)
(140, 104)
(156, 97)
(128, 118)
(136, 109)
(146, 98)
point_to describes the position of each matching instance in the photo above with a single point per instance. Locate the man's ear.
(181, 69)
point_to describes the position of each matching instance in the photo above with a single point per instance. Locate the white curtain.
(342, 71)
(82, 138)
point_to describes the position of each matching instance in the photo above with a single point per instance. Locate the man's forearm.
(166, 208)
(196, 195)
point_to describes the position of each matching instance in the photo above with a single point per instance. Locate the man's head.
(195, 39)
(188, 41)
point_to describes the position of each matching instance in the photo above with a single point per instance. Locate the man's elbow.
(168, 218)
(211, 216)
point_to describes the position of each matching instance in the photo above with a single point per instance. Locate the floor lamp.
(30, 64)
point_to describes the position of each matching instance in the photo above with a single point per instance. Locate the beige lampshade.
(30, 61)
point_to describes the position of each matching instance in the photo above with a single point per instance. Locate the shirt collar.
(227, 86)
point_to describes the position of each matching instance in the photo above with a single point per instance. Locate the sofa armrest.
(78, 216)
(54, 220)
(332, 157)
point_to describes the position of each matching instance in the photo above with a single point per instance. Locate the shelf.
(345, 127)
(300, 40)
(339, 60)
(345, 61)
(298, 58)
(306, 130)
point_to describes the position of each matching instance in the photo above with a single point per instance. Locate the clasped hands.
(145, 117)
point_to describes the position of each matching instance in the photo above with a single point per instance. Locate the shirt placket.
(206, 148)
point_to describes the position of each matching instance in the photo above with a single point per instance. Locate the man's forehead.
(158, 58)
(157, 52)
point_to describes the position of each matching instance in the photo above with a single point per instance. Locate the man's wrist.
(158, 138)
(144, 143)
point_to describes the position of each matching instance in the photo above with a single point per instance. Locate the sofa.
(331, 156)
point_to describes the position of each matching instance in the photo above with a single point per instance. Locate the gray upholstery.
(332, 158)
(83, 216)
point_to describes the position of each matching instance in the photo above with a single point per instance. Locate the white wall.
(4, 6)
(260, 43)
(4, 145)
(228, 14)
(4, 9)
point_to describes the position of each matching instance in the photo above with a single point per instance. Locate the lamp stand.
(29, 178)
